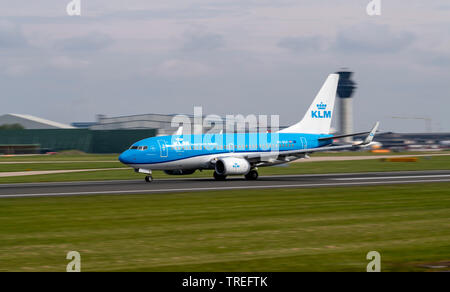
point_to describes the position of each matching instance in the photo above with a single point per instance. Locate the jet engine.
(232, 165)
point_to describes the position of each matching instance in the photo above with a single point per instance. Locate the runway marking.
(93, 182)
(215, 188)
(391, 177)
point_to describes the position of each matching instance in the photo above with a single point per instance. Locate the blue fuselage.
(168, 152)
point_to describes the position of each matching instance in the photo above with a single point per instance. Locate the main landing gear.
(252, 175)
(149, 178)
(219, 176)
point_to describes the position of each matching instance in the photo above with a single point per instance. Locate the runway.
(124, 187)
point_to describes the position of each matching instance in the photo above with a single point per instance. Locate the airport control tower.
(345, 90)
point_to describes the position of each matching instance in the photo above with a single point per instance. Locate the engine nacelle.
(231, 165)
(179, 171)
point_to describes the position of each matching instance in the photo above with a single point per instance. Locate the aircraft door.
(304, 142)
(163, 149)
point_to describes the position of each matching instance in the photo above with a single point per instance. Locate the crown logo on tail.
(321, 106)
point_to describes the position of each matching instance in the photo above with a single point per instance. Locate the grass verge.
(424, 163)
(327, 229)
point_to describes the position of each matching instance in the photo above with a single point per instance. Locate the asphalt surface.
(124, 187)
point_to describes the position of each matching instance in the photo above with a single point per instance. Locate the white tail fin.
(317, 119)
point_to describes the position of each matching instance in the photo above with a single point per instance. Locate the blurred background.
(132, 66)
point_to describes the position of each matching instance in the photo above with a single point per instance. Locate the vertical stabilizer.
(317, 119)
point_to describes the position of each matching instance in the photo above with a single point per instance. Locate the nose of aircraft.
(125, 157)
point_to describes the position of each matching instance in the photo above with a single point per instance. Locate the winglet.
(179, 132)
(371, 135)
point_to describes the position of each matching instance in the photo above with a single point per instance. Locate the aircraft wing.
(351, 135)
(295, 154)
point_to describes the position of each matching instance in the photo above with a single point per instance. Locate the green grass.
(61, 157)
(326, 229)
(424, 163)
(58, 166)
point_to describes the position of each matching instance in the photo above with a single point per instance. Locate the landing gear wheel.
(219, 176)
(252, 175)
(149, 178)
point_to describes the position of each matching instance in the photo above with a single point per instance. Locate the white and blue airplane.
(242, 153)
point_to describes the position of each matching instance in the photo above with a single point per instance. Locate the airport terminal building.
(30, 122)
(25, 134)
(163, 123)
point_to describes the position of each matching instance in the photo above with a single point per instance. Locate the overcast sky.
(229, 56)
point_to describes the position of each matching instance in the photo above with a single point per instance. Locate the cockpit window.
(139, 148)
